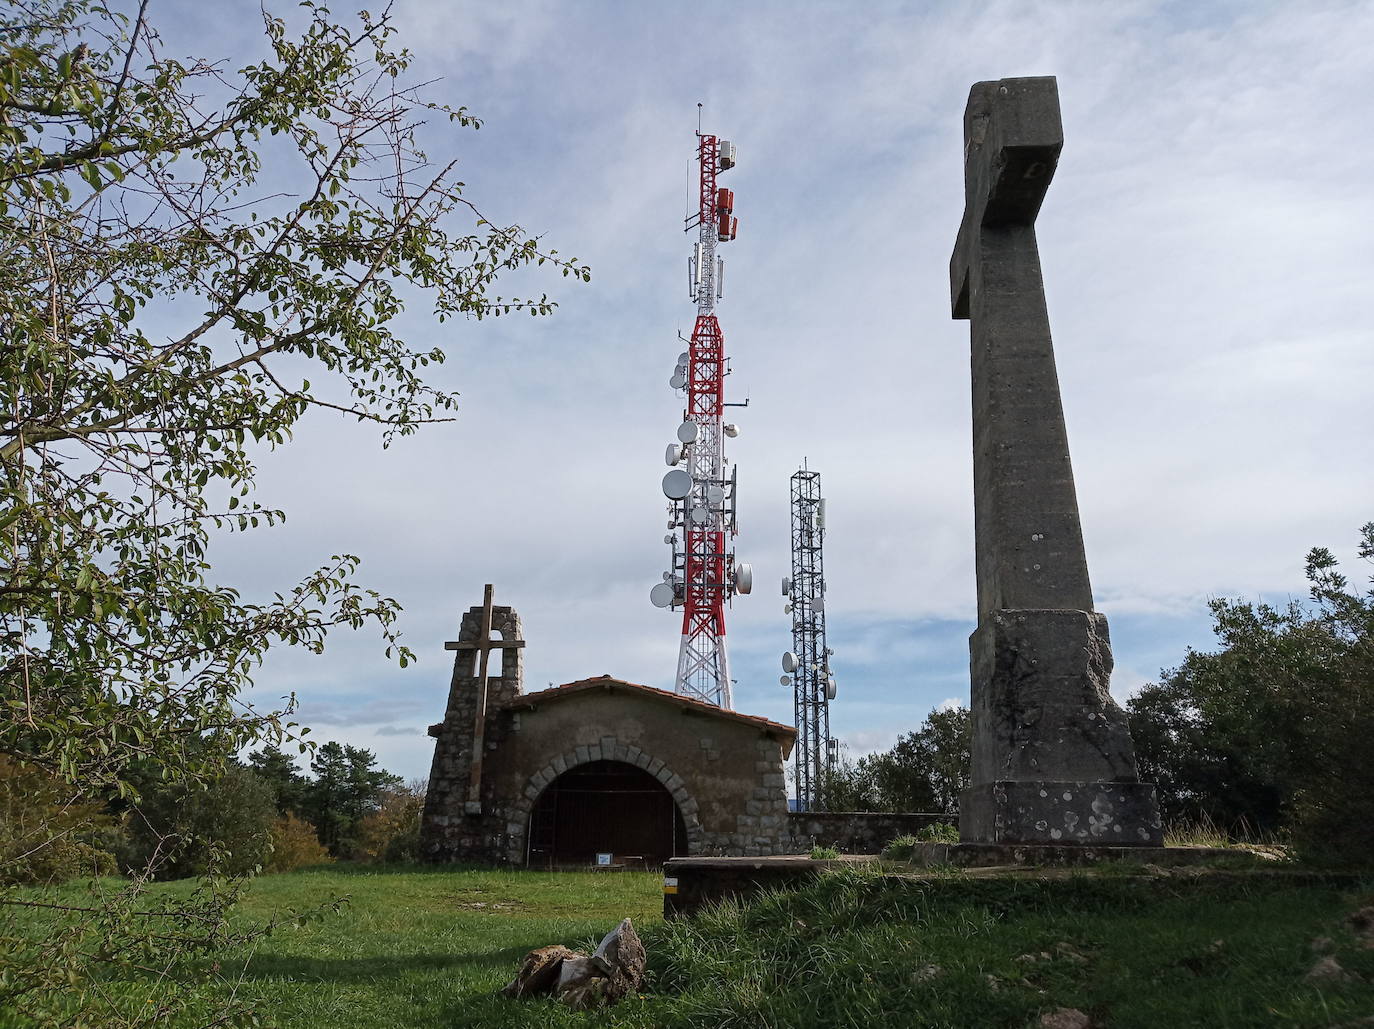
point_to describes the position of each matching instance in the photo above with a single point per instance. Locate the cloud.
(1206, 266)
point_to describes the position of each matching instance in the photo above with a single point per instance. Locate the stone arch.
(609, 749)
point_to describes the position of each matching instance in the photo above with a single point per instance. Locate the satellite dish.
(672, 455)
(700, 515)
(687, 432)
(786, 680)
(730, 429)
(786, 586)
(683, 358)
(787, 609)
(789, 662)
(677, 484)
(715, 496)
(661, 595)
(829, 689)
(667, 576)
(678, 380)
(744, 577)
(670, 539)
(818, 604)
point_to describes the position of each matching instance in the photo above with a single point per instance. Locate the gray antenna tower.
(807, 664)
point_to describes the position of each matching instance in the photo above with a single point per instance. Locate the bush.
(824, 853)
(43, 837)
(938, 832)
(391, 834)
(295, 845)
(184, 829)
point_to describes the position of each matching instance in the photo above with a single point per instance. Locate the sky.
(1206, 251)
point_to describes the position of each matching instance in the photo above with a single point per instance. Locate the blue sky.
(1206, 253)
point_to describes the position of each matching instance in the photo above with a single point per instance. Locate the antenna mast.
(809, 659)
(704, 574)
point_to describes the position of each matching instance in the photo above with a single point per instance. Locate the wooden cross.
(484, 645)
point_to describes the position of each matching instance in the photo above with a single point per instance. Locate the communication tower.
(701, 485)
(808, 662)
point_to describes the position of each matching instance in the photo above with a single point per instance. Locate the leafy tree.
(194, 257)
(924, 771)
(1270, 732)
(391, 833)
(185, 828)
(295, 845)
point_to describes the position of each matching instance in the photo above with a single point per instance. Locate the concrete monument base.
(1056, 813)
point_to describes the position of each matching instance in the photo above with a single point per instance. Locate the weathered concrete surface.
(1044, 722)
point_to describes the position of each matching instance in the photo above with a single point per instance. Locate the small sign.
(669, 884)
(603, 860)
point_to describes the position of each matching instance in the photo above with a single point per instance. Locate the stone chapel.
(593, 767)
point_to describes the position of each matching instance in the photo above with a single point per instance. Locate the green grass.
(420, 948)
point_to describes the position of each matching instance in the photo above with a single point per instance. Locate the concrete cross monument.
(1053, 761)
(483, 645)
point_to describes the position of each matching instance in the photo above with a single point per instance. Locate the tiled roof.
(604, 682)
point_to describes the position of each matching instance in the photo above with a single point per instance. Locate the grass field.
(421, 948)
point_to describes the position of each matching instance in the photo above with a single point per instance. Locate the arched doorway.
(605, 807)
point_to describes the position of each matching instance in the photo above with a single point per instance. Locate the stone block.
(1116, 814)
(560, 764)
(608, 744)
(1041, 701)
(775, 781)
(755, 807)
(746, 821)
(583, 753)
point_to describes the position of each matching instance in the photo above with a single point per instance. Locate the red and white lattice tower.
(704, 575)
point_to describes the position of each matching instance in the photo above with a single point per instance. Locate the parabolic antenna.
(787, 609)
(670, 538)
(687, 432)
(829, 689)
(700, 515)
(661, 595)
(789, 662)
(715, 496)
(786, 680)
(677, 484)
(744, 577)
(667, 576)
(673, 454)
(730, 429)
(683, 358)
(678, 380)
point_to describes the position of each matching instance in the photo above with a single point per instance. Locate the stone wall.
(855, 832)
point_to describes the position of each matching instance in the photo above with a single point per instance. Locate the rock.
(1327, 970)
(1154, 870)
(1069, 953)
(621, 956)
(1065, 1018)
(539, 972)
(1322, 944)
(926, 973)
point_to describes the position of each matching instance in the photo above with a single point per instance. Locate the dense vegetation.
(924, 770)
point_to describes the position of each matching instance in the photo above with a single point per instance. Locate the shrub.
(938, 832)
(184, 829)
(391, 834)
(43, 836)
(295, 845)
(824, 853)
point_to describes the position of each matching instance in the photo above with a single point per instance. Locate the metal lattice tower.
(809, 659)
(704, 575)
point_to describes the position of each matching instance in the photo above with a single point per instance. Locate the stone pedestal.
(1051, 811)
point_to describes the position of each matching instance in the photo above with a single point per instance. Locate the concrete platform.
(690, 883)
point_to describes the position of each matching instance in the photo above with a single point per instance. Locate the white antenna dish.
(700, 515)
(786, 680)
(789, 662)
(787, 609)
(667, 576)
(786, 586)
(715, 496)
(678, 380)
(830, 689)
(677, 484)
(682, 358)
(687, 432)
(730, 429)
(661, 595)
(670, 538)
(673, 454)
(744, 577)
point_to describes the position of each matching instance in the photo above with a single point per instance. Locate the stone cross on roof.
(484, 645)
